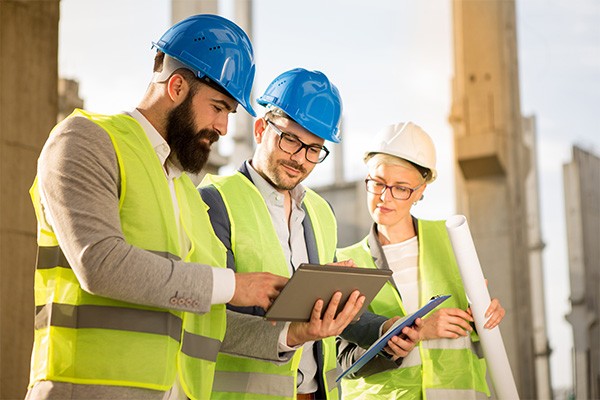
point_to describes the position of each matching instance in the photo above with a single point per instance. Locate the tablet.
(311, 282)
(395, 330)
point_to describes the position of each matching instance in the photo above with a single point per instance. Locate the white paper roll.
(476, 289)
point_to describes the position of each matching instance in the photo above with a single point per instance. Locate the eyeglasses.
(398, 192)
(290, 144)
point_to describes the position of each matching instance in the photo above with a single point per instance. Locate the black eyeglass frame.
(303, 145)
(392, 187)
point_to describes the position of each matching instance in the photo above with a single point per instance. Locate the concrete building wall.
(349, 202)
(28, 110)
(491, 165)
(348, 199)
(181, 9)
(582, 204)
(68, 98)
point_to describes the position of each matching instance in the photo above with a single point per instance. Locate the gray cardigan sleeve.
(79, 181)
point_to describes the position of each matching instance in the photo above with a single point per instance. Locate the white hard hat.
(408, 141)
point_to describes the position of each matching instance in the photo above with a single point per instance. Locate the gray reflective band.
(106, 317)
(463, 342)
(412, 360)
(50, 257)
(165, 254)
(254, 382)
(198, 346)
(331, 375)
(454, 394)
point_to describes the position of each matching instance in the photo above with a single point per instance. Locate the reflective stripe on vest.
(51, 257)
(245, 383)
(454, 394)
(105, 317)
(252, 237)
(449, 367)
(86, 339)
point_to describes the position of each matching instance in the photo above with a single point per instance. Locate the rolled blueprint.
(476, 289)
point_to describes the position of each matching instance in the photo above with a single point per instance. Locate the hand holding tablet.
(312, 282)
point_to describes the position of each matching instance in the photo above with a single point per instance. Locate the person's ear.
(177, 88)
(260, 126)
(422, 189)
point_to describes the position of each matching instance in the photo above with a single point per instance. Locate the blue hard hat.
(214, 47)
(310, 99)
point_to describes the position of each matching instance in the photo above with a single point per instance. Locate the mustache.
(210, 134)
(294, 165)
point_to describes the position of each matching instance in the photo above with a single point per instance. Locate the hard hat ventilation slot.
(214, 48)
(199, 38)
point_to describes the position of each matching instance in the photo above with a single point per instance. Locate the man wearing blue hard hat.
(269, 221)
(130, 281)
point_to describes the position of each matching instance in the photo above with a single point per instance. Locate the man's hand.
(330, 325)
(400, 345)
(345, 263)
(449, 323)
(257, 289)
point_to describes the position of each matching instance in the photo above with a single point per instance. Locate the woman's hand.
(400, 345)
(494, 314)
(449, 323)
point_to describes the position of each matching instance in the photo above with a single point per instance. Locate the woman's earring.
(421, 198)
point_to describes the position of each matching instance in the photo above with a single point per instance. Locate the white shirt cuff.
(282, 346)
(223, 285)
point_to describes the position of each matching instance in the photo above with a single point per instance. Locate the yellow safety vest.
(256, 248)
(86, 339)
(450, 368)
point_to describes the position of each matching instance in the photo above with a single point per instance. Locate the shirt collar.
(269, 192)
(159, 144)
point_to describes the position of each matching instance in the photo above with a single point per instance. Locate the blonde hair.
(374, 160)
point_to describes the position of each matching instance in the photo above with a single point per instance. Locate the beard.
(185, 141)
(280, 179)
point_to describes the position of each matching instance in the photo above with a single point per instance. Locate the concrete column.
(536, 247)
(28, 109)
(338, 158)
(68, 98)
(181, 9)
(243, 129)
(582, 209)
(491, 167)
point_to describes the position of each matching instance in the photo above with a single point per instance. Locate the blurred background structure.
(28, 110)
(454, 67)
(582, 203)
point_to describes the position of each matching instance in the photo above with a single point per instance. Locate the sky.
(392, 61)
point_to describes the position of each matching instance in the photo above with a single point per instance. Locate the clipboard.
(311, 282)
(380, 343)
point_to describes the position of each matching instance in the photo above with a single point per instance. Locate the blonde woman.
(447, 363)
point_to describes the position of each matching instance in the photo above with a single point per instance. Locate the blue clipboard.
(395, 330)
